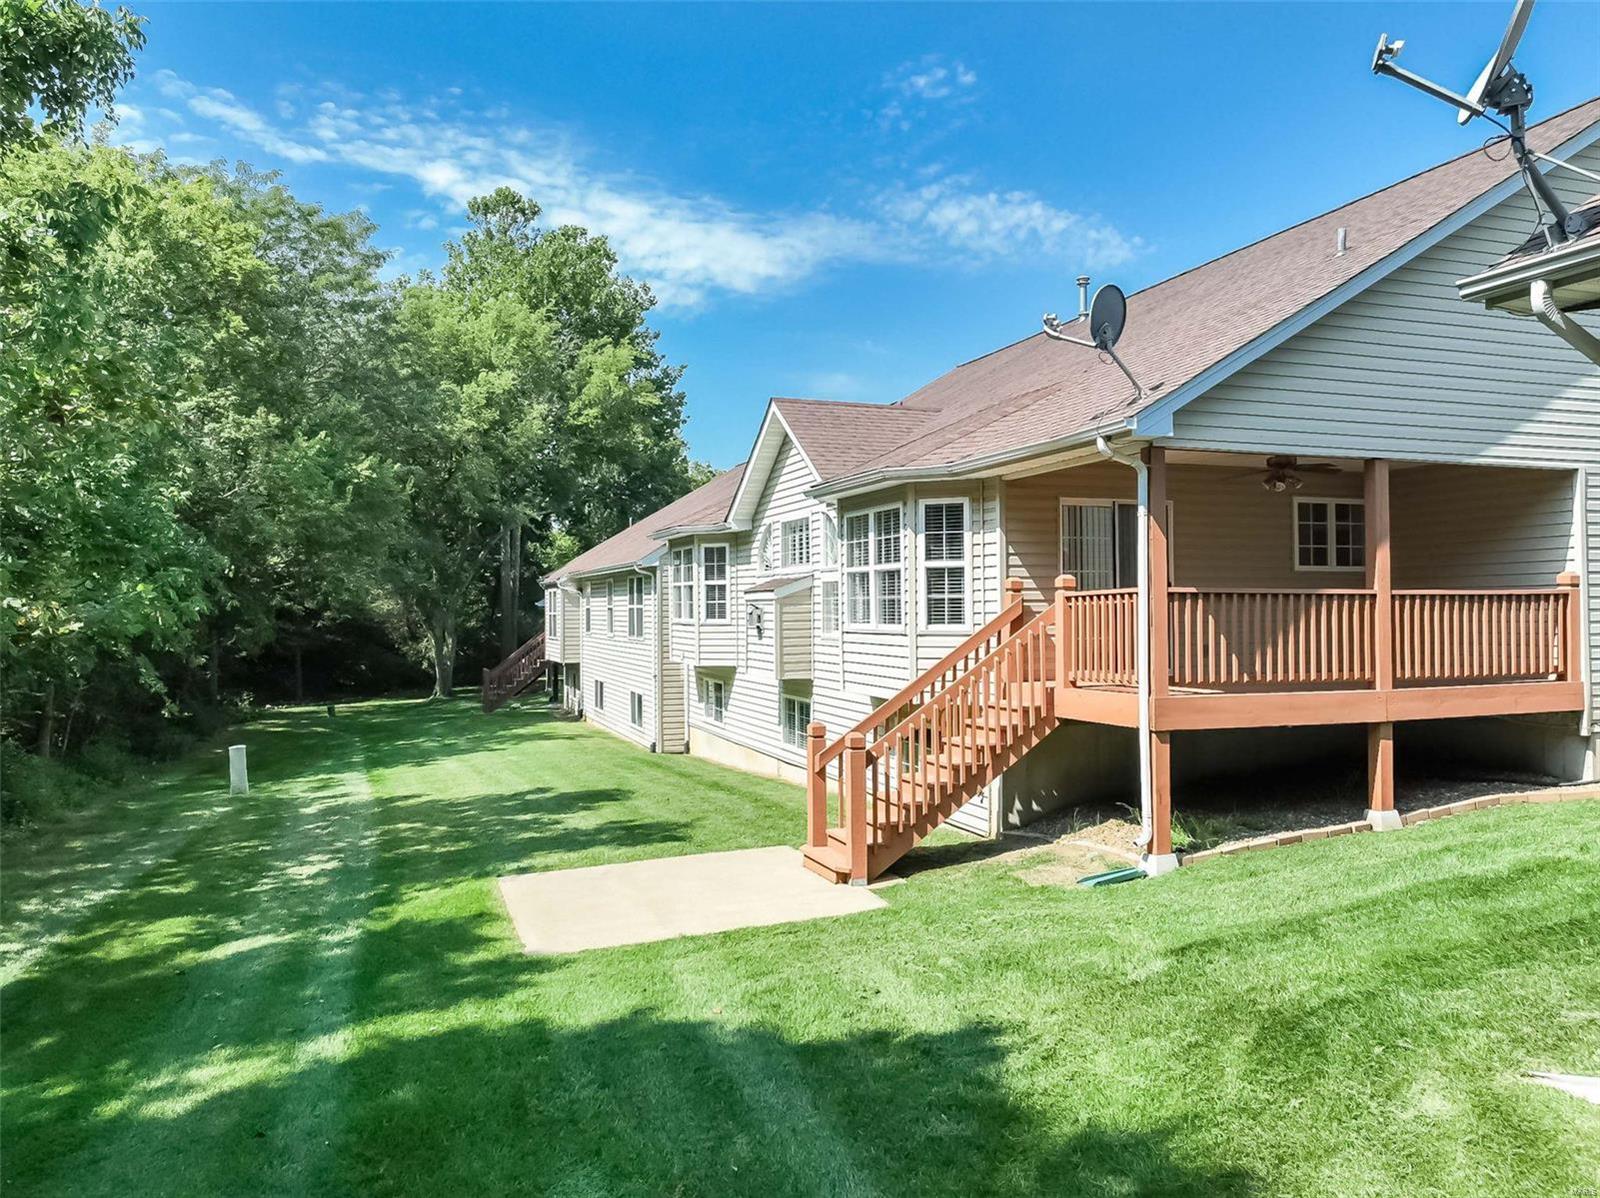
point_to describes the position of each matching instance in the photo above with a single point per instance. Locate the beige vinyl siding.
(794, 636)
(674, 715)
(1033, 520)
(563, 622)
(1409, 370)
(1474, 526)
(625, 664)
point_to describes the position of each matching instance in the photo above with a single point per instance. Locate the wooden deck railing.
(1101, 637)
(1443, 637)
(1243, 637)
(511, 676)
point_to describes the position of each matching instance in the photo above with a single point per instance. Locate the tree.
(63, 58)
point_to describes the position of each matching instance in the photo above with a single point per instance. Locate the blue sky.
(838, 201)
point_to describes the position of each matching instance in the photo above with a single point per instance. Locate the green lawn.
(314, 990)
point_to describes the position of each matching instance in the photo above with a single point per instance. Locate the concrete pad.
(1586, 1088)
(633, 902)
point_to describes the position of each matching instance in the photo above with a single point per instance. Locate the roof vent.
(1342, 242)
(1083, 297)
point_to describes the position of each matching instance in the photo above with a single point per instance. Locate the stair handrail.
(878, 720)
(497, 676)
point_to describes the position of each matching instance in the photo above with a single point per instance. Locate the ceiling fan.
(1284, 470)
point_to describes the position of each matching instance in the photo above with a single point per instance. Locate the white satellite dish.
(1501, 60)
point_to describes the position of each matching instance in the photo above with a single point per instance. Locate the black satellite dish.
(1108, 316)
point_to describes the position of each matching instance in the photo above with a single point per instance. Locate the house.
(1342, 507)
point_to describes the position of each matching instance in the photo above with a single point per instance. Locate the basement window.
(636, 708)
(796, 715)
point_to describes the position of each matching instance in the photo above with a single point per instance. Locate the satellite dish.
(1108, 315)
(1497, 64)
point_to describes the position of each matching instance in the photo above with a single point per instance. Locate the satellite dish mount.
(1104, 322)
(1502, 89)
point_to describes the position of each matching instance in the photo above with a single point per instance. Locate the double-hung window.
(636, 606)
(588, 608)
(944, 562)
(714, 581)
(1330, 534)
(874, 588)
(713, 699)
(682, 577)
(611, 614)
(796, 543)
(796, 715)
(828, 606)
(599, 695)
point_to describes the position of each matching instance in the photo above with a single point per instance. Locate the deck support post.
(1573, 634)
(1381, 813)
(816, 787)
(1159, 858)
(855, 802)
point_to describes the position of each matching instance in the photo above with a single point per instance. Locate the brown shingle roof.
(1036, 390)
(704, 505)
(838, 437)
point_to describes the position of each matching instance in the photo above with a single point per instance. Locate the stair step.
(830, 861)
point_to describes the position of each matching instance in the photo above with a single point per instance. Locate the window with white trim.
(713, 699)
(766, 547)
(796, 715)
(636, 708)
(944, 563)
(599, 695)
(611, 614)
(714, 582)
(828, 605)
(1330, 534)
(588, 608)
(552, 615)
(681, 571)
(796, 543)
(874, 584)
(830, 541)
(636, 606)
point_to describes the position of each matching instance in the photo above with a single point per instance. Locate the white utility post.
(238, 776)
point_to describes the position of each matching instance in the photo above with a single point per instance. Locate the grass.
(314, 990)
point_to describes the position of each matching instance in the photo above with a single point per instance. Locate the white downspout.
(1141, 638)
(1559, 323)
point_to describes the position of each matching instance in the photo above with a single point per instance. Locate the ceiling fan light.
(1296, 482)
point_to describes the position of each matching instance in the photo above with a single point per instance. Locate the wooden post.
(1065, 585)
(855, 801)
(1160, 794)
(816, 788)
(1011, 593)
(1570, 670)
(1160, 605)
(1380, 777)
(1380, 578)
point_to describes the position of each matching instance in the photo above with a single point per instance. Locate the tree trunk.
(508, 605)
(47, 721)
(443, 635)
(299, 675)
(516, 586)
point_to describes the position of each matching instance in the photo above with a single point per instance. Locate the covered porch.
(1290, 592)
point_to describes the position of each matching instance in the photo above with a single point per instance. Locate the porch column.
(1159, 858)
(1380, 736)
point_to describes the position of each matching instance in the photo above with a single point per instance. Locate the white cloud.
(918, 87)
(691, 248)
(990, 225)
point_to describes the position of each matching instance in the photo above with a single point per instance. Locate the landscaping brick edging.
(1555, 794)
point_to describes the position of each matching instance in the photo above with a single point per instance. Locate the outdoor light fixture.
(752, 619)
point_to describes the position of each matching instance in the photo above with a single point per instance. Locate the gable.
(1406, 368)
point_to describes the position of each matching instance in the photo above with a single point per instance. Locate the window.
(796, 543)
(636, 606)
(552, 615)
(766, 548)
(599, 695)
(874, 590)
(682, 575)
(713, 699)
(830, 541)
(714, 580)
(944, 563)
(636, 708)
(1100, 543)
(611, 617)
(1330, 534)
(828, 605)
(796, 715)
(588, 608)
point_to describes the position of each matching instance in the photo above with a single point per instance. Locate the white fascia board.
(1156, 420)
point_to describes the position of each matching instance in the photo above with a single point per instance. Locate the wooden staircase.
(524, 668)
(921, 756)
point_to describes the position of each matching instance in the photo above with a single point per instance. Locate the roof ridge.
(845, 403)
